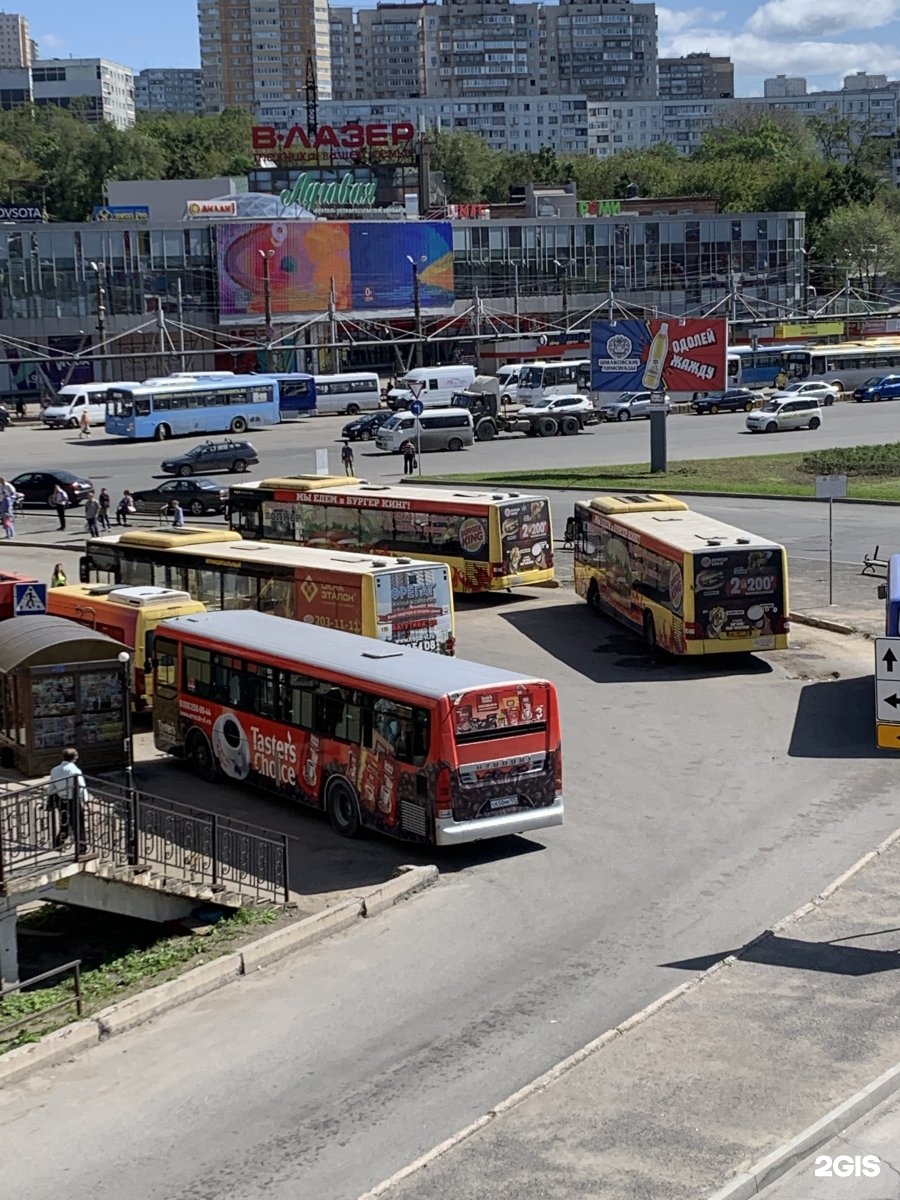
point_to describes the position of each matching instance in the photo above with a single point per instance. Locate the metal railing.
(132, 828)
(77, 996)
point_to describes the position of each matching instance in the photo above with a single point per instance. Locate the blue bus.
(297, 393)
(757, 368)
(892, 598)
(182, 407)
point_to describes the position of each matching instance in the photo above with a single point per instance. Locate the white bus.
(553, 379)
(350, 393)
(845, 364)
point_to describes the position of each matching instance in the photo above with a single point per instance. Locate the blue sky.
(820, 39)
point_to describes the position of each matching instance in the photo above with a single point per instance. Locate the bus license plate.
(505, 802)
(764, 643)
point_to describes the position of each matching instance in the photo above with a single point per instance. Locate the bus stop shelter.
(61, 684)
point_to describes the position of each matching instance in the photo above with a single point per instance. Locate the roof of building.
(44, 641)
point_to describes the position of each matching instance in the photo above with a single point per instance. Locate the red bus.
(386, 737)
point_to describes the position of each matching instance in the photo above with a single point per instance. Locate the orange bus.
(429, 749)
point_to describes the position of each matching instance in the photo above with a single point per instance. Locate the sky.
(822, 40)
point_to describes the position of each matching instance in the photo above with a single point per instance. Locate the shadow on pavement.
(835, 719)
(834, 958)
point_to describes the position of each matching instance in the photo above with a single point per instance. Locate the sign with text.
(211, 208)
(599, 208)
(121, 212)
(675, 355)
(379, 142)
(31, 214)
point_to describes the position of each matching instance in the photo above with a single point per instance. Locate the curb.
(63, 1044)
(821, 623)
(746, 1179)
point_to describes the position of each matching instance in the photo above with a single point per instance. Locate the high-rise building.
(780, 86)
(696, 77)
(346, 56)
(603, 48)
(483, 48)
(16, 47)
(392, 45)
(254, 52)
(99, 89)
(169, 89)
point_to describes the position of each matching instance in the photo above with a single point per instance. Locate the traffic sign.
(416, 387)
(887, 701)
(29, 599)
(831, 487)
(887, 659)
(888, 737)
(417, 408)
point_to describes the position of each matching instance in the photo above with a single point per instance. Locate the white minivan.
(508, 378)
(64, 411)
(350, 393)
(448, 429)
(439, 384)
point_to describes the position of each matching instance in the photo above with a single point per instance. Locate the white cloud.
(803, 18)
(50, 41)
(672, 21)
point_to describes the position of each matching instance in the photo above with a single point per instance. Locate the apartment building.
(16, 47)
(100, 89)
(696, 77)
(169, 89)
(603, 48)
(391, 49)
(254, 52)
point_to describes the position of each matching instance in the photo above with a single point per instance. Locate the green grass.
(105, 979)
(765, 475)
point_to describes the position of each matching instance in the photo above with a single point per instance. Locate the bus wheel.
(649, 631)
(201, 756)
(342, 807)
(352, 410)
(161, 432)
(239, 425)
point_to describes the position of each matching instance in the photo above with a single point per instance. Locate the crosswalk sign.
(30, 599)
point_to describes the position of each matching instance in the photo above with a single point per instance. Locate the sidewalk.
(682, 1102)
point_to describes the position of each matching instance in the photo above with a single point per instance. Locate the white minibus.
(438, 386)
(64, 411)
(447, 429)
(349, 393)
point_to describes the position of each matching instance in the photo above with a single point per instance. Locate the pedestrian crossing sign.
(30, 599)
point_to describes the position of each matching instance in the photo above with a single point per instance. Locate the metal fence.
(132, 828)
(77, 997)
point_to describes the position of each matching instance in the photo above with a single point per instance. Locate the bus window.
(165, 654)
(198, 672)
(205, 586)
(238, 590)
(137, 574)
(276, 596)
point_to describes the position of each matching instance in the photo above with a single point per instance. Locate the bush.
(854, 460)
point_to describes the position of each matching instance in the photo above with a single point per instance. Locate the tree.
(863, 239)
(201, 147)
(466, 162)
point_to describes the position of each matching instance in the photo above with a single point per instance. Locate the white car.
(786, 412)
(580, 406)
(811, 389)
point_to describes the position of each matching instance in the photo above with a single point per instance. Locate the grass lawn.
(767, 475)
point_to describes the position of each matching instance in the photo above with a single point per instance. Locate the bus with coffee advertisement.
(394, 599)
(490, 540)
(433, 750)
(687, 583)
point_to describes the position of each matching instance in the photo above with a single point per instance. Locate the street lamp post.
(267, 256)
(563, 269)
(125, 660)
(415, 263)
(100, 269)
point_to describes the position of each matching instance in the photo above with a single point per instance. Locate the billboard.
(354, 143)
(676, 355)
(368, 262)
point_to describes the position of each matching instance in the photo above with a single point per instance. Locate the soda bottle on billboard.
(656, 359)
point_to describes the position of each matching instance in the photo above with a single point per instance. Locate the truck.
(489, 417)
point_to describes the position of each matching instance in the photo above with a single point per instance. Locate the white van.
(508, 378)
(448, 429)
(439, 384)
(64, 411)
(349, 393)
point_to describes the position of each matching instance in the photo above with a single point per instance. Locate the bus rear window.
(508, 712)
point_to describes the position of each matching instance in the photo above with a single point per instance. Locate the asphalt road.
(289, 449)
(703, 803)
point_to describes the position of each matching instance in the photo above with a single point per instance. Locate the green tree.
(467, 163)
(201, 147)
(864, 240)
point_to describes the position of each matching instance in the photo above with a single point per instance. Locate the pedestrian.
(177, 514)
(7, 489)
(781, 380)
(85, 422)
(8, 514)
(58, 578)
(60, 501)
(408, 450)
(347, 458)
(124, 507)
(91, 513)
(20, 408)
(104, 500)
(66, 797)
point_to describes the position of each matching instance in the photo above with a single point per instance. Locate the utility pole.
(515, 268)
(100, 269)
(267, 256)
(417, 306)
(562, 269)
(332, 326)
(180, 313)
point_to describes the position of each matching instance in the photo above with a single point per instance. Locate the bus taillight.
(451, 644)
(557, 774)
(692, 629)
(443, 794)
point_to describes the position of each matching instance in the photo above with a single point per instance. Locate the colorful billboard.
(368, 263)
(673, 355)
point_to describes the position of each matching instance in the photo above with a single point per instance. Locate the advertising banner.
(673, 355)
(367, 263)
(121, 212)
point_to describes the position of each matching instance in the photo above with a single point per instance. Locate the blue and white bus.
(182, 407)
(892, 598)
(756, 368)
(297, 393)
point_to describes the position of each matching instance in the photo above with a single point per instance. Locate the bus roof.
(637, 502)
(168, 539)
(199, 382)
(382, 664)
(359, 487)
(310, 557)
(142, 596)
(692, 531)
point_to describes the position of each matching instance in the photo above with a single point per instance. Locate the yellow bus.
(490, 540)
(128, 614)
(687, 583)
(395, 599)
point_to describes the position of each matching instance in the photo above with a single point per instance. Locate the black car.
(38, 486)
(4, 417)
(212, 456)
(196, 496)
(363, 429)
(734, 400)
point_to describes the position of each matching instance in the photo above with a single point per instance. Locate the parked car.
(786, 412)
(574, 403)
(37, 486)
(363, 429)
(196, 496)
(4, 417)
(879, 387)
(734, 400)
(817, 389)
(227, 455)
(629, 406)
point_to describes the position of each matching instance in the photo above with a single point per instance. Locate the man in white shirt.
(66, 795)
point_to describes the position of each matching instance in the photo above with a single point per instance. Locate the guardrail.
(77, 996)
(130, 828)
